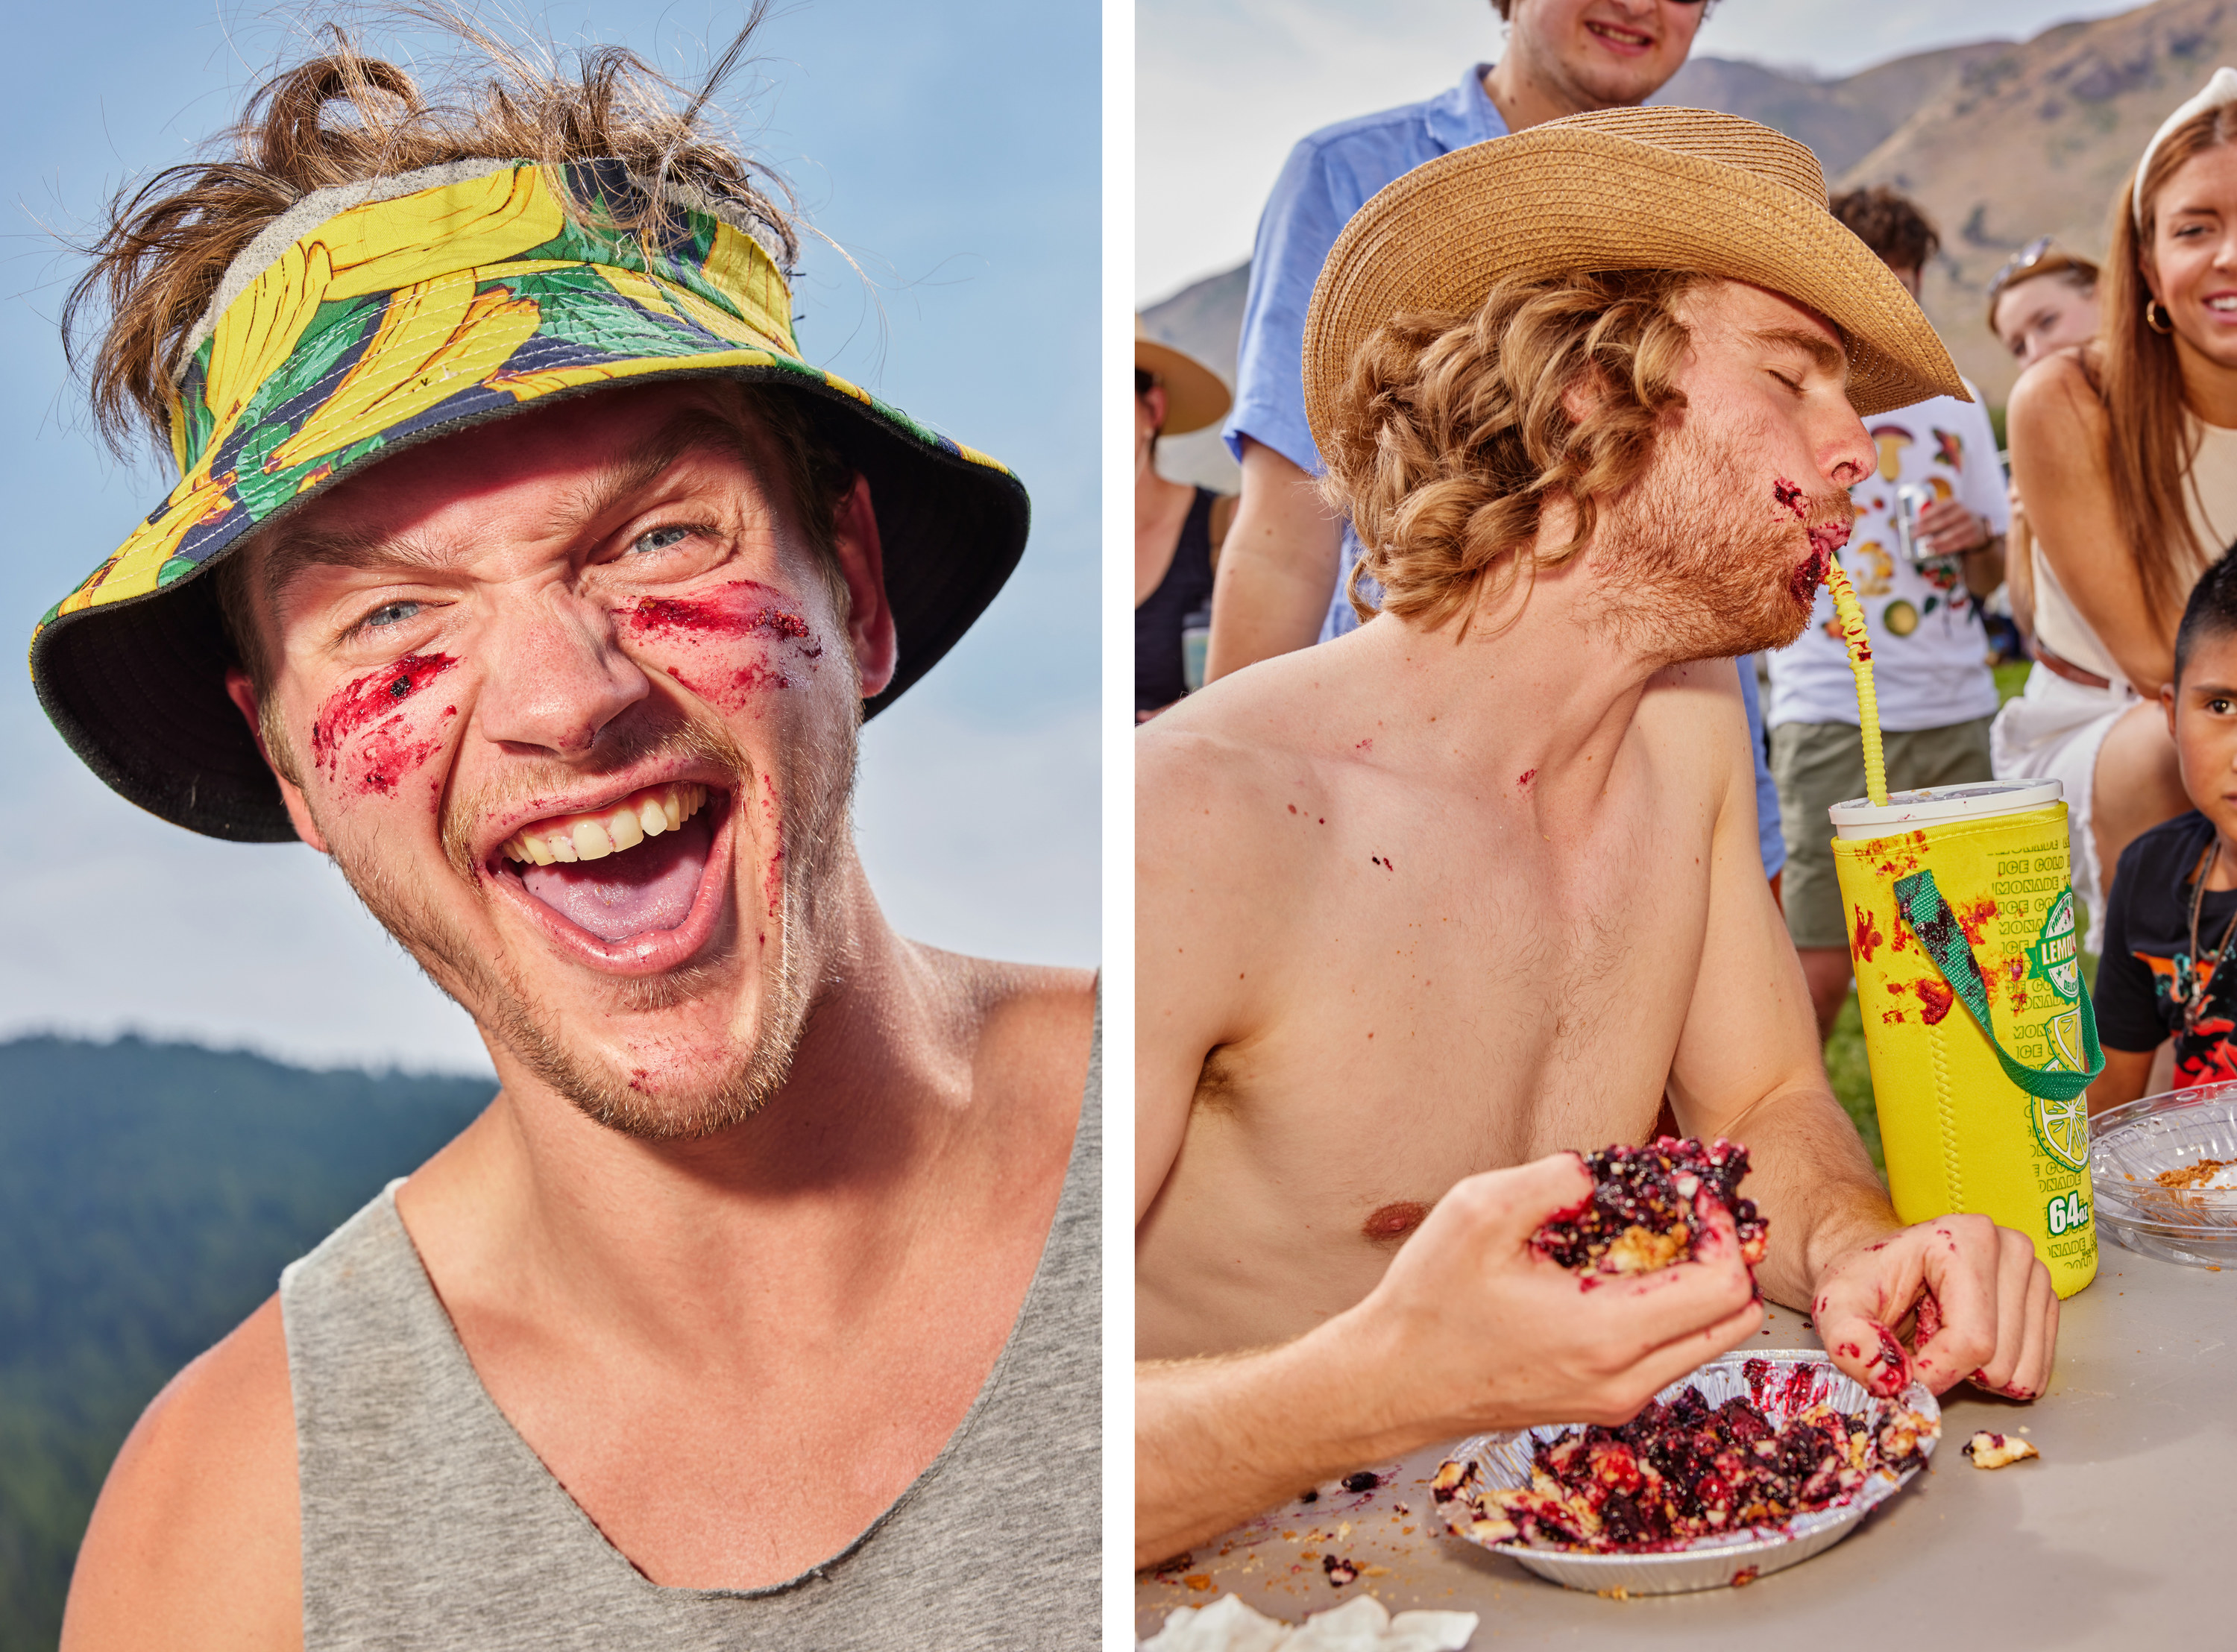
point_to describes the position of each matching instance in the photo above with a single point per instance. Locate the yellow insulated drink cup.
(1978, 1030)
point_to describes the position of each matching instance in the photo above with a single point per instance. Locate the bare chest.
(1447, 1007)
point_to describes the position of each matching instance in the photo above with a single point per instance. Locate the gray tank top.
(429, 1523)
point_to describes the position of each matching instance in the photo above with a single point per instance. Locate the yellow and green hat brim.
(379, 315)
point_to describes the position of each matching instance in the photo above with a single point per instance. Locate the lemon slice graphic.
(2064, 1129)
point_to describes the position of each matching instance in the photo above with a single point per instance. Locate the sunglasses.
(2038, 257)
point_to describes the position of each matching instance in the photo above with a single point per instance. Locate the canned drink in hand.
(1910, 500)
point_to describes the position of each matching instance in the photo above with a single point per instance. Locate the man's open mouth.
(624, 871)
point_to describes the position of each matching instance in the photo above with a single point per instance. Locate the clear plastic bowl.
(2131, 1144)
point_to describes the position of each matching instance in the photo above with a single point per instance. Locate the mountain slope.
(2036, 139)
(149, 1195)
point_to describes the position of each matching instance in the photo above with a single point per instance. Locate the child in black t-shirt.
(2169, 964)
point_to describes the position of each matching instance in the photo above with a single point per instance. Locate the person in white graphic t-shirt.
(1927, 545)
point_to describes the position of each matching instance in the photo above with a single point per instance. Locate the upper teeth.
(593, 836)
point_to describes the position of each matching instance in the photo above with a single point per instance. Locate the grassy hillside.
(149, 1195)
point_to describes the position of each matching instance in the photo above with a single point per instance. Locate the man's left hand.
(1985, 1309)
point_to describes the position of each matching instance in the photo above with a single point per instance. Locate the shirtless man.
(522, 565)
(1478, 884)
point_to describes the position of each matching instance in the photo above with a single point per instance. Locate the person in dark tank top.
(1178, 528)
(524, 563)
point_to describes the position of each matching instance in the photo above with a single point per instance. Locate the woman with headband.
(2126, 452)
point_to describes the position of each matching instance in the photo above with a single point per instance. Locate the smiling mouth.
(1617, 36)
(625, 871)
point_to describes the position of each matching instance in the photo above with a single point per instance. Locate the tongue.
(632, 892)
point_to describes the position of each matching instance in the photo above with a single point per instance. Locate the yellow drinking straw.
(1851, 616)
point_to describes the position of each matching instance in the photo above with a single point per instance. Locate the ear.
(2166, 704)
(869, 616)
(1154, 405)
(243, 695)
(1580, 396)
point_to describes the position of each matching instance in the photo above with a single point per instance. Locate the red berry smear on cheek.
(742, 612)
(380, 700)
(1789, 496)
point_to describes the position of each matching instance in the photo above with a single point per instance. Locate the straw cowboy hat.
(1194, 395)
(1619, 189)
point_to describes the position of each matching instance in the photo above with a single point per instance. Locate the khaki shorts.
(1818, 765)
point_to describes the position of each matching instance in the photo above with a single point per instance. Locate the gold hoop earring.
(2154, 312)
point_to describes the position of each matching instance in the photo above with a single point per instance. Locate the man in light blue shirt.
(1285, 569)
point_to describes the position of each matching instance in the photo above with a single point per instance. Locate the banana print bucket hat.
(379, 314)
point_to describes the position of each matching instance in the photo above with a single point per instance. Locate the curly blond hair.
(1453, 433)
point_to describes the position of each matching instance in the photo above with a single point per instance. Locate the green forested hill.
(149, 1195)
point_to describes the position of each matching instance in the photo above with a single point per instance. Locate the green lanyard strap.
(1944, 940)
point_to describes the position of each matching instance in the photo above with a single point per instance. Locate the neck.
(1525, 97)
(670, 1236)
(1154, 496)
(2221, 869)
(1539, 683)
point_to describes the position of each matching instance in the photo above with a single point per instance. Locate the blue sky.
(952, 151)
(1225, 87)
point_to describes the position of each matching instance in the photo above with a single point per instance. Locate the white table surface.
(2122, 1534)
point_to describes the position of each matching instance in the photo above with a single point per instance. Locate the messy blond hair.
(343, 117)
(1452, 432)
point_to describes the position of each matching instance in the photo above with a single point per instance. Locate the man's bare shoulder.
(196, 1540)
(1231, 768)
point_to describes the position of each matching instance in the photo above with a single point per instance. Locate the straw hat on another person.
(1195, 396)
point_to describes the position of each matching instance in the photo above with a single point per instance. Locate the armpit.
(1218, 1083)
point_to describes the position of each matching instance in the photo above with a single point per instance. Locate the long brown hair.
(2139, 376)
(343, 116)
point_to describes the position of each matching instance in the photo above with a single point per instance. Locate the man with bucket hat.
(1425, 911)
(520, 562)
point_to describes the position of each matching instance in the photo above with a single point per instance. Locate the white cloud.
(117, 919)
(973, 836)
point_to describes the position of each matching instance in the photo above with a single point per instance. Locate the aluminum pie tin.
(1503, 1461)
(2132, 1143)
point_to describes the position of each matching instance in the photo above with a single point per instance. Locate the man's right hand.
(1476, 1329)
(1470, 1329)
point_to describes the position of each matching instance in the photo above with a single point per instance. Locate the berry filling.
(1645, 1207)
(1680, 1471)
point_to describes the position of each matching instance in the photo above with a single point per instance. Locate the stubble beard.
(1701, 562)
(817, 795)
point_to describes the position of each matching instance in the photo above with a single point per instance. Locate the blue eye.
(391, 613)
(662, 538)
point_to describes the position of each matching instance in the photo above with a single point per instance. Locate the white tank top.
(2210, 493)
